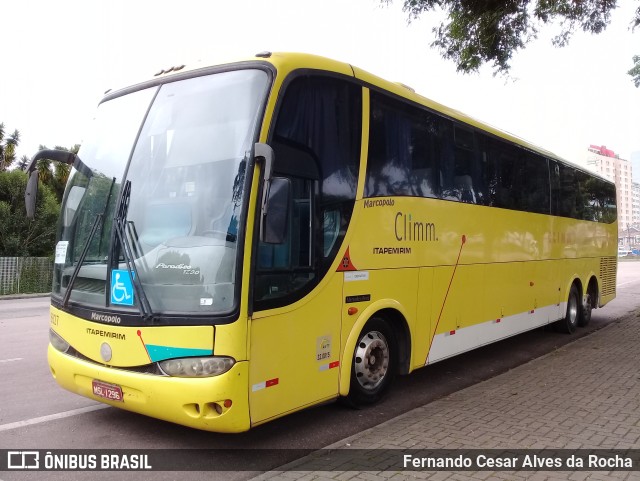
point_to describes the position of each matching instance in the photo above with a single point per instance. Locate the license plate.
(111, 392)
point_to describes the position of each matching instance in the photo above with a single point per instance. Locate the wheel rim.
(371, 360)
(573, 310)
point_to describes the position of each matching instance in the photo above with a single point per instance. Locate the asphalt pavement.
(584, 395)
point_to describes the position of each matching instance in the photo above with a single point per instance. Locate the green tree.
(55, 175)
(8, 147)
(23, 163)
(635, 71)
(61, 173)
(478, 32)
(20, 236)
(43, 166)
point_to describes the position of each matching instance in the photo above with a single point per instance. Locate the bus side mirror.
(30, 194)
(275, 218)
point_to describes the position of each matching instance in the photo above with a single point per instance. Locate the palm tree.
(43, 166)
(60, 175)
(56, 179)
(8, 148)
(23, 163)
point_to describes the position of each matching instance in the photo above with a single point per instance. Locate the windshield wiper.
(120, 223)
(83, 254)
(98, 220)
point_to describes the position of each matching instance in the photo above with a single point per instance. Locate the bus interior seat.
(281, 256)
(423, 184)
(274, 256)
(464, 185)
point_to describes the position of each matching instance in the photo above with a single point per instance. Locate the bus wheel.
(374, 363)
(585, 315)
(570, 321)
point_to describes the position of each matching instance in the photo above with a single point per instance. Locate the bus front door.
(294, 353)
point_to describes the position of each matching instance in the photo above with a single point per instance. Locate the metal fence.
(25, 275)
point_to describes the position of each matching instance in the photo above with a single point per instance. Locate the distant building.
(635, 163)
(609, 165)
(635, 203)
(628, 240)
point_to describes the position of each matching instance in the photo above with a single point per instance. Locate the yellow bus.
(242, 241)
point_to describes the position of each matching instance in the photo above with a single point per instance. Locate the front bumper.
(195, 402)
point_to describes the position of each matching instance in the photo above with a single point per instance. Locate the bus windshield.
(182, 149)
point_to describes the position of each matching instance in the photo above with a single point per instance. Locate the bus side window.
(499, 174)
(405, 149)
(534, 177)
(554, 178)
(467, 178)
(415, 152)
(597, 198)
(567, 195)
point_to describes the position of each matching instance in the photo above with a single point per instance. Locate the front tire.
(374, 363)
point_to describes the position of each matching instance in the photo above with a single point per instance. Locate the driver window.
(316, 139)
(287, 267)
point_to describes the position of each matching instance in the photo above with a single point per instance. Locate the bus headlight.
(57, 342)
(197, 366)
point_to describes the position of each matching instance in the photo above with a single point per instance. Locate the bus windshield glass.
(182, 149)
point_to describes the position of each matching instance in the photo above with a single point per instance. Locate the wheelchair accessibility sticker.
(121, 287)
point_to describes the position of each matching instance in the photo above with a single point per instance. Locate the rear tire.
(373, 367)
(574, 308)
(586, 309)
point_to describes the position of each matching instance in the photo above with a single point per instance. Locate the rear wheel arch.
(593, 289)
(403, 337)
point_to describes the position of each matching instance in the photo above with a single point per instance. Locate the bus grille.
(608, 268)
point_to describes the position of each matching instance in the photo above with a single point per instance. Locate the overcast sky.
(59, 57)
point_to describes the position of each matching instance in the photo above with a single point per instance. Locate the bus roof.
(286, 62)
